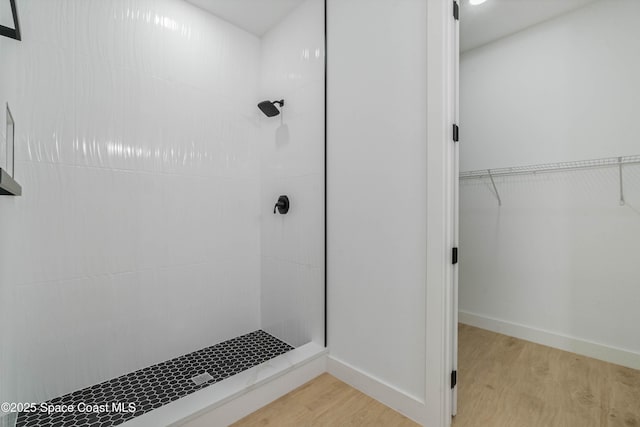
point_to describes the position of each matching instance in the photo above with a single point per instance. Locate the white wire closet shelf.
(608, 162)
(552, 167)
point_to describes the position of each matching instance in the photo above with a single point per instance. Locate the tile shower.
(145, 233)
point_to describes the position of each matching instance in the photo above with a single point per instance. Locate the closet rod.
(553, 167)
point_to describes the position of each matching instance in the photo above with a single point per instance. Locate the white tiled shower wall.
(138, 146)
(293, 164)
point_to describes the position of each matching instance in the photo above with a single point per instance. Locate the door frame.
(455, 203)
(441, 181)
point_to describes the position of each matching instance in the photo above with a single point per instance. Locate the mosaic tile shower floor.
(158, 385)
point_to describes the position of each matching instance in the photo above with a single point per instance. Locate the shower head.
(269, 107)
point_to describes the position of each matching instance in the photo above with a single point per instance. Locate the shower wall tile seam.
(290, 261)
(255, 177)
(114, 274)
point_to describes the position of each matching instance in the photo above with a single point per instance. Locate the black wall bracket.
(8, 185)
(14, 32)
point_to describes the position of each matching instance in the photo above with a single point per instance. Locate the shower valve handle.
(282, 206)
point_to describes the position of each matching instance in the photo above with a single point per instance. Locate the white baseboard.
(552, 339)
(388, 395)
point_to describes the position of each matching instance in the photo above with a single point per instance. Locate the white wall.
(560, 91)
(377, 190)
(137, 238)
(557, 263)
(293, 164)
(559, 256)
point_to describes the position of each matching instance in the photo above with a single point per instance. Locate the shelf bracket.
(622, 201)
(495, 189)
(8, 186)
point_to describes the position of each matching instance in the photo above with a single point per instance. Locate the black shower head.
(269, 108)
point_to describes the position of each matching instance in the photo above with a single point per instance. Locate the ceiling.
(495, 19)
(255, 16)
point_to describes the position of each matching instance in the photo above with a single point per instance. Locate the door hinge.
(454, 256)
(456, 11)
(454, 379)
(456, 133)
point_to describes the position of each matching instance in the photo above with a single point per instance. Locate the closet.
(550, 180)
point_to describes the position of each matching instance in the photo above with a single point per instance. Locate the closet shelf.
(609, 162)
(8, 185)
(552, 167)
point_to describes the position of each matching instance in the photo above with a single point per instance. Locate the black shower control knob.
(282, 206)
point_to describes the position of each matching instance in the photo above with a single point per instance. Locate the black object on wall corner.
(8, 185)
(14, 32)
(282, 206)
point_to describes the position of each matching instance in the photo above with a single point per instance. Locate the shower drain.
(202, 378)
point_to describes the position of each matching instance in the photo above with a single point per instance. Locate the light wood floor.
(503, 382)
(325, 401)
(507, 382)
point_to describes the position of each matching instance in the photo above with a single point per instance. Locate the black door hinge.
(454, 379)
(454, 256)
(456, 11)
(456, 133)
